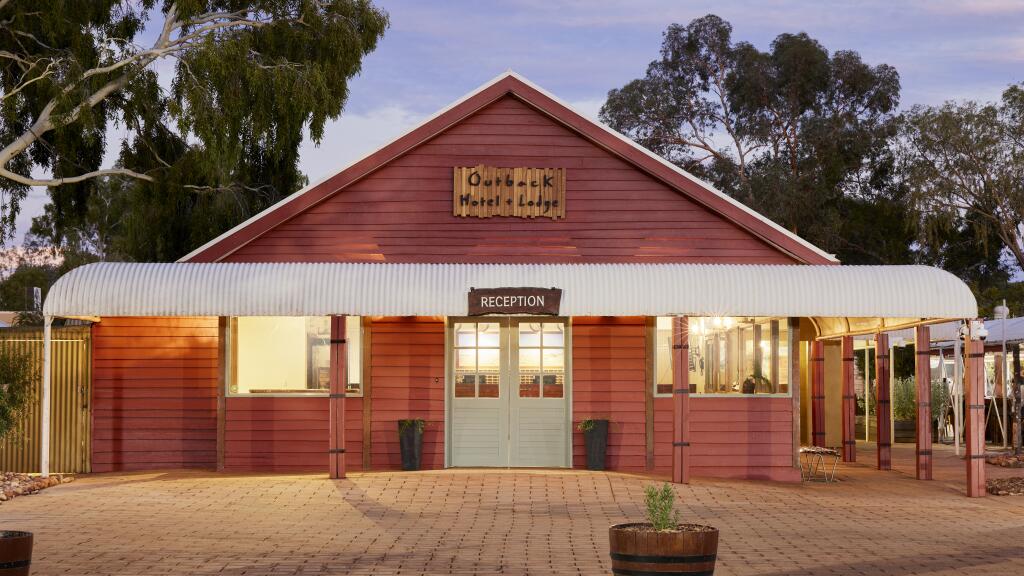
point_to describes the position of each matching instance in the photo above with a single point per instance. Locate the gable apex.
(512, 84)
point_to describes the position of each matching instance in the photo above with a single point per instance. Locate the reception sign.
(487, 191)
(514, 301)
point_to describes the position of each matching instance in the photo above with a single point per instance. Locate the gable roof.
(513, 84)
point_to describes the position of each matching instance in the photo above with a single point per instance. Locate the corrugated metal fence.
(70, 394)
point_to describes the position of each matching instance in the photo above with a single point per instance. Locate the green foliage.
(660, 504)
(17, 378)
(587, 424)
(964, 163)
(939, 399)
(249, 78)
(417, 424)
(795, 132)
(904, 398)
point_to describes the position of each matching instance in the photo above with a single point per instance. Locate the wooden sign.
(486, 191)
(514, 301)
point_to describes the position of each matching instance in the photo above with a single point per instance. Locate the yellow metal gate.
(70, 394)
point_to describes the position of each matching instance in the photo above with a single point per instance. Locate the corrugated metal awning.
(842, 299)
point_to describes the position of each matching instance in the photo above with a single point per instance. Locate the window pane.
(281, 354)
(489, 335)
(529, 385)
(554, 360)
(488, 386)
(465, 335)
(663, 356)
(465, 360)
(529, 334)
(354, 360)
(554, 335)
(554, 385)
(489, 360)
(728, 355)
(465, 385)
(529, 360)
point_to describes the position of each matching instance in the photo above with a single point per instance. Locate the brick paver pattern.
(511, 522)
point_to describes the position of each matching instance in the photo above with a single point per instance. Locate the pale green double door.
(509, 392)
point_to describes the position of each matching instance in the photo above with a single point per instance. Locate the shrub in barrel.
(662, 545)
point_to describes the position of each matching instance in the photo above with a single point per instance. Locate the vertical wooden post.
(974, 424)
(849, 403)
(680, 400)
(336, 450)
(650, 367)
(883, 414)
(923, 377)
(223, 351)
(794, 385)
(367, 376)
(818, 393)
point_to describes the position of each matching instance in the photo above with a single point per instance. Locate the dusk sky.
(436, 51)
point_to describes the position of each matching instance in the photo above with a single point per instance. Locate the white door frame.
(506, 323)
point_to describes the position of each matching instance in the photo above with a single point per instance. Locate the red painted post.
(818, 393)
(923, 378)
(336, 401)
(680, 400)
(974, 424)
(883, 415)
(849, 403)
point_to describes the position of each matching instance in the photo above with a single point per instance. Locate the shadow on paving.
(965, 562)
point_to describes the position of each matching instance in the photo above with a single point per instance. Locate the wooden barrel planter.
(15, 553)
(905, 431)
(638, 550)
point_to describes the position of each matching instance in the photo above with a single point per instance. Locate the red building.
(318, 324)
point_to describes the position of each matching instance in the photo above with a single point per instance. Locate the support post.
(923, 378)
(680, 401)
(223, 353)
(849, 403)
(818, 393)
(44, 424)
(336, 450)
(974, 422)
(794, 386)
(883, 414)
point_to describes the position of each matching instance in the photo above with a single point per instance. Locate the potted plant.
(595, 441)
(410, 441)
(17, 381)
(662, 545)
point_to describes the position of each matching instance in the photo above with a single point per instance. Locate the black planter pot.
(410, 441)
(15, 553)
(596, 442)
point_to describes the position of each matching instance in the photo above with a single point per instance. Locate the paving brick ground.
(510, 522)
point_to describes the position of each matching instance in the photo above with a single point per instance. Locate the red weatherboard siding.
(154, 400)
(739, 437)
(608, 381)
(403, 211)
(407, 381)
(287, 434)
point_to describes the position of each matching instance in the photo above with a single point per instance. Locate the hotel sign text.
(514, 301)
(486, 191)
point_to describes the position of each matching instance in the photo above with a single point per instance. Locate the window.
(727, 355)
(290, 355)
(477, 359)
(541, 360)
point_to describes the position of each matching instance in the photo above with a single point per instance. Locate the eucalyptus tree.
(965, 165)
(795, 132)
(203, 103)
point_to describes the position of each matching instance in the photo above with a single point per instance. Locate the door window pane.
(477, 359)
(465, 335)
(529, 335)
(529, 360)
(554, 335)
(489, 335)
(554, 360)
(554, 385)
